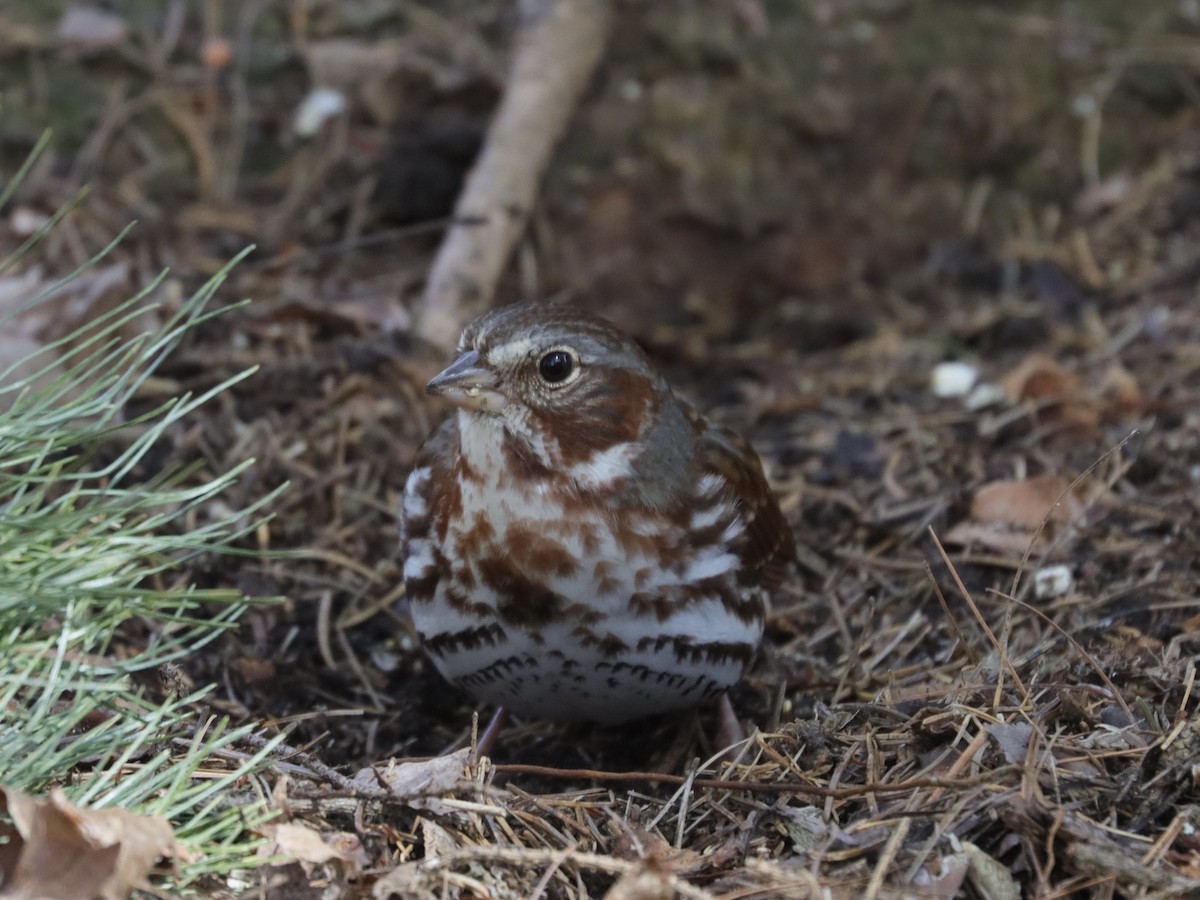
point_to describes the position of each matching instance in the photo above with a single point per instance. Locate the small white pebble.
(1084, 105)
(986, 394)
(862, 31)
(385, 660)
(91, 26)
(632, 90)
(1158, 323)
(1052, 581)
(321, 105)
(953, 379)
(26, 222)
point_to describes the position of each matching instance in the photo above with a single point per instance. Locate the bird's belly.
(582, 686)
(575, 617)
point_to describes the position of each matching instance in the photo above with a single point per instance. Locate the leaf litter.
(928, 720)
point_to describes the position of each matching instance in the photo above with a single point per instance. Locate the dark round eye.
(556, 366)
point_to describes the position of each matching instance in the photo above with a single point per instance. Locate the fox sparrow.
(580, 544)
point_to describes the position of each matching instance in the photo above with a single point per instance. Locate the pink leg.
(729, 729)
(487, 740)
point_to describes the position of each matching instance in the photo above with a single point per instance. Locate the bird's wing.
(423, 500)
(767, 546)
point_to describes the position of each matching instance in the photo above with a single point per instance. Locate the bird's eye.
(556, 366)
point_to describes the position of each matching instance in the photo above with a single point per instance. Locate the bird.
(579, 543)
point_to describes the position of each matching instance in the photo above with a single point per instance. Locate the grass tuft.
(89, 543)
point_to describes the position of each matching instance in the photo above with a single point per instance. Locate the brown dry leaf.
(637, 843)
(1067, 760)
(943, 876)
(1040, 378)
(255, 671)
(1025, 503)
(406, 880)
(1005, 515)
(219, 217)
(437, 840)
(416, 782)
(1012, 738)
(299, 843)
(1121, 390)
(805, 827)
(644, 883)
(64, 851)
(997, 538)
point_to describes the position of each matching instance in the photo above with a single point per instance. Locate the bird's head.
(569, 390)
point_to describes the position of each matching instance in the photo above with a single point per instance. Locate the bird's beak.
(469, 384)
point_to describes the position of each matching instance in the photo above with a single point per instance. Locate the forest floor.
(981, 682)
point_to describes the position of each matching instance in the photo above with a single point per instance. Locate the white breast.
(566, 669)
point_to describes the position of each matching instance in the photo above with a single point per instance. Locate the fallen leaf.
(406, 880)
(56, 849)
(637, 843)
(417, 782)
(642, 883)
(1025, 503)
(300, 843)
(1121, 389)
(254, 670)
(1005, 515)
(805, 826)
(437, 840)
(997, 538)
(943, 876)
(1041, 379)
(1012, 738)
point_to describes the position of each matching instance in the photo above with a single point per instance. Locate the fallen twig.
(557, 52)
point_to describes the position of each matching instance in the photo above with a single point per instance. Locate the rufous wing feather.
(768, 546)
